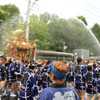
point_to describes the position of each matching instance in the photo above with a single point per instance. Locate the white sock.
(18, 92)
(12, 93)
(5, 92)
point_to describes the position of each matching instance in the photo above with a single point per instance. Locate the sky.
(63, 8)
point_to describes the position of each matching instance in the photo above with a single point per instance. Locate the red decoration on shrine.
(20, 47)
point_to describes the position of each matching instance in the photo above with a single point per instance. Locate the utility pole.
(28, 17)
(28, 20)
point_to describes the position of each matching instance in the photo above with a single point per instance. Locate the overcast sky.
(63, 8)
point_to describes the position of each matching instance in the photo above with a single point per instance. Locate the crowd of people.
(50, 80)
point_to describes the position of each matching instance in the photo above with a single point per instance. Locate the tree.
(2, 16)
(96, 30)
(80, 36)
(72, 31)
(45, 17)
(58, 33)
(10, 10)
(10, 19)
(6, 30)
(38, 30)
(83, 19)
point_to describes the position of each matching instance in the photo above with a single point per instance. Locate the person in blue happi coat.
(97, 80)
(3, 73)
(18, 75)
(10, 68)
(19, 71)
(58, 90)
(69, 75)
(91, 83)
(22, 67)
(28, 87)
(80, 78)
(40, 71)
(45, 77)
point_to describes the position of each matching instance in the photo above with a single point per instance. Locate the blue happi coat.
(90, 82)
(17, 69)
(97, 78)
(80, 76)
(58, 92)
(28, 86)
(69, 75)
(10, 73)
(3, 72)
(38, 74)
(22, 69)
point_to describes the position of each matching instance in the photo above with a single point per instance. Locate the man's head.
(21, 62)
(26, 62)
(47, 61)
(79, 60)
(58, 72)
(32, 67)
(9, 60)
(2, 59)
(89, 67)
(31, 62)
(94, 65)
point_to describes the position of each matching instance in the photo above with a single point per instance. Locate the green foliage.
(72, 31)
(6, 30)
(57, 30)
(83, 19)
(45, 17)
(2, 16)
(50, 30)
(96, 30)
(80, 36)
(10, 10)
(9, 20)
(38, 30)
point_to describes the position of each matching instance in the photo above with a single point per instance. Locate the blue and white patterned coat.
(28, 86)
(80, 74)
